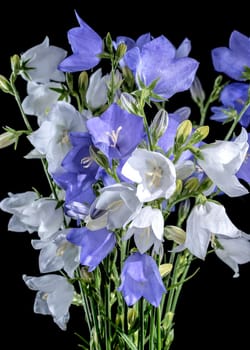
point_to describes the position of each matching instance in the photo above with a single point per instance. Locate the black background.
(213, 311)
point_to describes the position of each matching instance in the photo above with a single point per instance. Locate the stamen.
(65, 137)
(154, 177)
(86, 161)
(114, 135)
(60, 251)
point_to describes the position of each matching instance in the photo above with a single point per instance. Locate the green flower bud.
(6, 139)
(175, 233)
(5, 85)
(183, 132)
(83, 81)
(159, 124)
(191, 185)
(121, 50)
(199, 134)
(15, 64)
(197, 92)
(165, 269)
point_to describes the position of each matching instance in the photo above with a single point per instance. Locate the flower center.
(65, 137)
(60, 251)
(114, 135)
(154, 177)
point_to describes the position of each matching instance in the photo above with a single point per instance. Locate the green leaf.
(127, 340)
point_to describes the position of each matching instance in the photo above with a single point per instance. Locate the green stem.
(141, 329)
(107, 307)
(152, 330)
(158, 327)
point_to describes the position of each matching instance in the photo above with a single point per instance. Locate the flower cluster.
(119, 167)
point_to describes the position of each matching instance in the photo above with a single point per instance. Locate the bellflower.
(222, 159)
(232, 97)
(41, 63)
(140, 277)
(234, 252)
(52, 137)
(158, 61)
(95, 245)
(204, 221)
(154, 173)
(147, 228)
(115, 206)
(234, 59)
(86, 45)
(116, 132)
(54, 297)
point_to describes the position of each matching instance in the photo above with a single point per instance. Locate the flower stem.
(141, 329)
(236, 121)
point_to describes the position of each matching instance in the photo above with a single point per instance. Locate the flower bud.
(128, 102)
(159, 124)
(15, 64)
(165, 269)
(183, 132)
(197, 92)
(83, 81)
(5, 85)
(175, 233)
(7, 139)
(121, 50)
(191, 185)
(199, 134)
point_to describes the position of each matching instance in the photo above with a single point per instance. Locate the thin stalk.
(158, 328)
(141, 329)
(107, 307)
(152, 330)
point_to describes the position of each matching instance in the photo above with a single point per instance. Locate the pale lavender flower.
(42, 61)
(140, 277)
(54, 297)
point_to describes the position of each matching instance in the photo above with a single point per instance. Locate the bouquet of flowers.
(134, 188)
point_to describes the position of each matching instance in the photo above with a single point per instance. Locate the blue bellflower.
(233, 96)
(116, 132)
(86, 45)
(159, 59)
(95, 245)
(233, 60)
(140, 277)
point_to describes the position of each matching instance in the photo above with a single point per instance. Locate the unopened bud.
(183, 132)
(165, 269)
(197, 92)
(15, 64)
(128, 102)
(5, 85)
(109, 43)
(159, 124)
(175, 233)
(191, 185)
(83, 81)
(7, 139)
(199, 134)
(121, 50)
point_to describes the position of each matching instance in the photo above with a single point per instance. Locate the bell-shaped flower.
(221, 161)
(234, 252)
(244, 171)
(203, 221)
(147, 228)
(115, 206)
(159, 60)
(57, 253)
(95, 245)
(153, 172)
(54, 297)
(140, 277)
(41, 63)
(232, 60)
(40, 99)
(233, 97)
(86, 45)
(116, 132)
(97, 92)
(52, 137)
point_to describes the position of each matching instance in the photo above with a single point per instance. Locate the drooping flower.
(95, 245)
(244, 171)
(159, 59)
(140, 277)
(115, 206)
(57, 253)
(40, 99)
(221, 161)
(234, 59)
(153, 172)
(147, 228)
(51, 139)
(232, 97)
(234, 252)
(54, 297)
(204, 221)
(86, 45)
(41, 63)
(116, 132)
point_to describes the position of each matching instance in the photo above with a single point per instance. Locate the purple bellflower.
(86, 45)
(116, 132)
(95, 245)
(159, 59)
(140, 277)
(233, 60)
